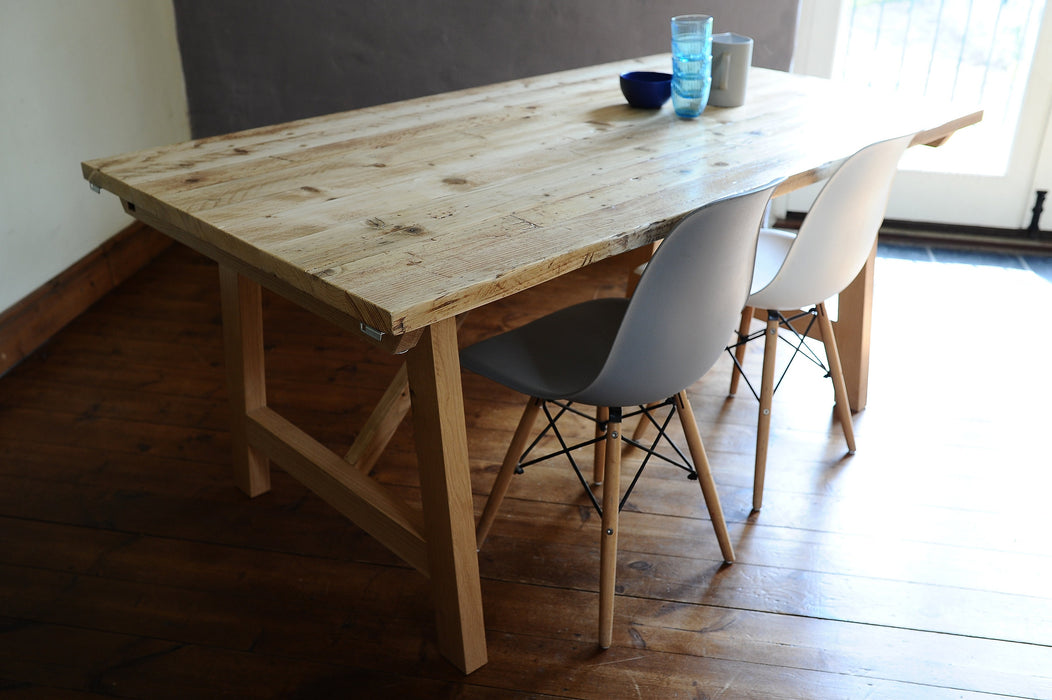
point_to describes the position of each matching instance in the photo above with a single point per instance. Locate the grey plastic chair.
(804, 269)
(615, 353)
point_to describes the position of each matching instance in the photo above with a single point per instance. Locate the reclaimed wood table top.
(409, 213)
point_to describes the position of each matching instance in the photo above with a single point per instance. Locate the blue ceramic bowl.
(646, 89)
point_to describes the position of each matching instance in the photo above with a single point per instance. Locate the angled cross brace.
(361, 499)
(380, 428)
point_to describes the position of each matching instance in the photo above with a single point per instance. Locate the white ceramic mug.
(731, 59)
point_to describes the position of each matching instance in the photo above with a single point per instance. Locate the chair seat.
(771, 250)
(554, 357)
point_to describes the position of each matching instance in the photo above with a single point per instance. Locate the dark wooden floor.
(130, 566)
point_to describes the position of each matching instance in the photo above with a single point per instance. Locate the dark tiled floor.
(1039, 264)
(895, 251)
(978, 257)
(1042, 265)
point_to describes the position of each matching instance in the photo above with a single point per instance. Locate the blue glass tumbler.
(691, 64)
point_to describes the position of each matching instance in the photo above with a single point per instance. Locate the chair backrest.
(686, 305)
(838, 233)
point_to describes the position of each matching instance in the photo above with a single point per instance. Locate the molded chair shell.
(835, 238)
(794, 271)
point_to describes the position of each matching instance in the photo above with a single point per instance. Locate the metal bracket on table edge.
(371, 332)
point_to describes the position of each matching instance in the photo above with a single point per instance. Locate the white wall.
(78, 80)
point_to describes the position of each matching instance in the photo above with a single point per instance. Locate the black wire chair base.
(617, 415)
(797, 342)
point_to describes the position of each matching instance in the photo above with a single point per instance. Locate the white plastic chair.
(794, 271)
(615, 353)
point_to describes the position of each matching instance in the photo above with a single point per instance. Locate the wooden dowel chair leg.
(705, 480)
(602, 414)
(608, 541)
(507, 470)
(739, 352)
(763, 424)
(836, 371)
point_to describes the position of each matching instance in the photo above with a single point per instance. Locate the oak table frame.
(392, 221)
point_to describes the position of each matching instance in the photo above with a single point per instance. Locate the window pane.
(973, 52)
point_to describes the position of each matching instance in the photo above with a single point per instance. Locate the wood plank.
(525, 613)
(295, 523)
(808, 644)
(442, 460)
(342, 486)
(853, 332)
(383, 421)
(116, 403)
(64, 662)
(781, 589)
(195, 445)
(241, 301)
(794, 553)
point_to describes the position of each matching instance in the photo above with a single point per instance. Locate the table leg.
(442, 458)
(852, 329)
(241, 301)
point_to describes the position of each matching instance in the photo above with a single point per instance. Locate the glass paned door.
(992, 54)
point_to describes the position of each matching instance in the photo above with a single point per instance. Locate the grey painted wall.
(249, 63)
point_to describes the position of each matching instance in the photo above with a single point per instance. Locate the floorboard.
(130, 566)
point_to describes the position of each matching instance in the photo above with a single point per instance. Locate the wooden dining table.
(393, 221)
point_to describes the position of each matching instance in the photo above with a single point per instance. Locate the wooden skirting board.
(32, 321)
